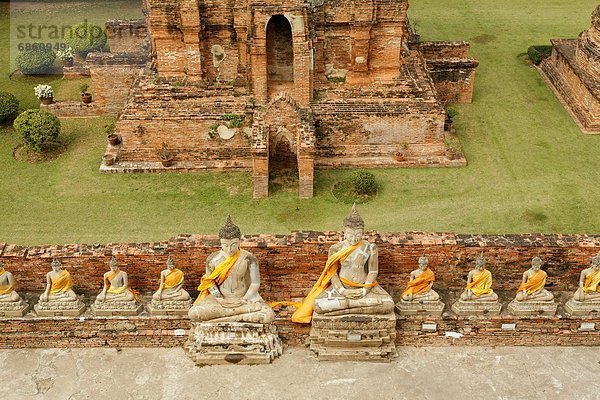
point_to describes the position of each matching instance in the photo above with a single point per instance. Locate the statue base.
(582, 308)
(424, 308)
(353, 337)
(59, 308)
(14, 308)
(233, 343)
(532, 308)
(117, 308)
(466, 308)
(170, 307)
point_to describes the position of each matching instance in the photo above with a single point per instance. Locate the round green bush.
(37, 127)
(9, 105)
(364, 182)
(85, 38)
(34, 62)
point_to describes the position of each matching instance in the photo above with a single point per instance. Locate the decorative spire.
(354, 220)
(230, 230)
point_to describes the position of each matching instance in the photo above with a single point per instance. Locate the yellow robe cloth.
(7, 288)
(122, 289)
(303, 314)
(420, 284)
(592, 282)
(481, 284)
(534, 283)
(173, 279)
(62, 283)
(218, 276)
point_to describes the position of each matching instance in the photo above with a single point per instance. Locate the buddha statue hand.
(355, 293)
(469, 294)
(231, 302)
(44, 297)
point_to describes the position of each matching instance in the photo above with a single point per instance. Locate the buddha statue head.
(170, 264)
(423, 262)
(536, 264)
(596, 262)
(56, 265)
(480, 262)
(354, 227)
(114, 264)
(230, 236)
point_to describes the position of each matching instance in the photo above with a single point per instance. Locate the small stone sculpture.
(478, 297)
(170, 298)
(347, 305)
(11, 304)
(116, 298)
(586, 299)
(532, 298)
(58, 298)
(230, 320)
(419, 297)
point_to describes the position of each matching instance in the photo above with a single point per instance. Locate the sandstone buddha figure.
(171, 284)
(229, 288)
(533, 283)
(479, 284)
(348, 284)
(8, 294)
(589, 283)
(116, 285)
(58, 285)
(421, 282)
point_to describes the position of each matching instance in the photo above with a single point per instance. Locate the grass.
(530, 168)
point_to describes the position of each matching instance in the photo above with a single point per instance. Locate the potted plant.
(113, 138)
(108, 159)
(450, 114)
(44, 93)
(66, 56)
(86, 96)
(165, 158)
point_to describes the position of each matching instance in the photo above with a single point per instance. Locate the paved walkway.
(480, 373)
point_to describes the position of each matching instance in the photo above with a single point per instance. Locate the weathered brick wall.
(126, 36)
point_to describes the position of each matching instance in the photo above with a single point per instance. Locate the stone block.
(14, 308)
(60, 308)
(532, 308)
(233, 343)
(169, 307)
(354, 337)
(117, 308)
(580, 308)
(467, 308)
(424, 308)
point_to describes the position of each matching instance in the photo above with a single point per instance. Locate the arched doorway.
(283, 158)
(280, 56)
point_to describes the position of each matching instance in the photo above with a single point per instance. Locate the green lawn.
(530, 168)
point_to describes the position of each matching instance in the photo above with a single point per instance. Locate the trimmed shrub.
(37, 127)
(84, 38)
(538, 53)
(9, 106)
(364, 182)
(35, 62)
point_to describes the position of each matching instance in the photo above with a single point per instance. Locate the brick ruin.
(573, 71)
(289, 265)
(280, 87)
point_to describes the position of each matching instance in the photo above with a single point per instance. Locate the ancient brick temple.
(574, 72)
(289, 85)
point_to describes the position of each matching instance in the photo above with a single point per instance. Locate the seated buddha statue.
(479, 284)
(589, 283)
(8, 294)
(420, 284)
(228, 291)
(116, 285)
(58, 285)
(171, 284)
(533, 283)
(348, 283)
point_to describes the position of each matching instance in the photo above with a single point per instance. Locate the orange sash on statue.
(420, 284)
(534, 283)
(481, 284)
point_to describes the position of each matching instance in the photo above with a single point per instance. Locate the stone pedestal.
(170, 307)
(425, 308)
(582, 308)
(353, 337)
(117, 308)
(233, 343)
(14, 308)
(532, 308)
(60, 308)
(466, 308)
